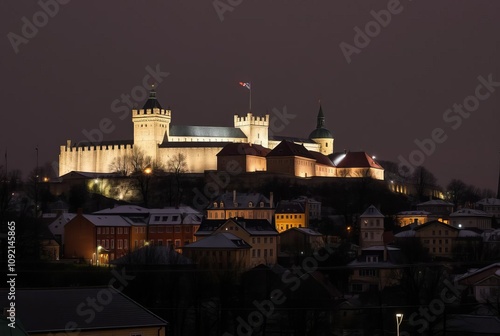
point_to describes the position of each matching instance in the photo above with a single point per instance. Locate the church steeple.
(321, 117)
(152, 103)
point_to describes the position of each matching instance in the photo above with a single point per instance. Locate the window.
(250, 204)
(295, 216)
(125, 230)
(378, 222)
(136, 229)
(136, 243)
(169, 242)
(98, 230)
(161, 229)
(367, 272)
(253, 253)
(125, 243)
(120, 244)
(265, 240)
(98, 242)
(271, 240)
(107, 244)
(215, 204)
(261, 204)
(265, 253)
(177, 229)
(112, 230)
(258, 240)
(175, 218)
(160, 242)
(152, 229)
(177, 243)
(120, 230)
(271, 252)
(187, 229)
(258, 253)
(164, 218)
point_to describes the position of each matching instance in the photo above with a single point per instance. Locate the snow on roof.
(124, 209)
(414, 213)
(467, 233)
(99, 220)
(469, 213)
(372, 211)
(436, 202)
(380, 248)
(489, 201)
(405, 234)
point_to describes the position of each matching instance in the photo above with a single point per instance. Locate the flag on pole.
(247, 85)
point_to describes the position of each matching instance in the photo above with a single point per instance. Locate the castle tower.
(321, 135)
(371, 228)
(255, 128)
(151, 125)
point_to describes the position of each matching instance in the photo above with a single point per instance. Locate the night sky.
(396, 89)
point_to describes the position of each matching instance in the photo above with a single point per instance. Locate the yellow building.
(242, 205)
(259, 234)
(290, 215)
(437, 238)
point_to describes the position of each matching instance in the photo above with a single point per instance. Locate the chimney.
(498, 188)
(271, 199)
(234, 196)
(79, 211)
(345, 151)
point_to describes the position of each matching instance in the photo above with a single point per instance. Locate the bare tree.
(177, 166)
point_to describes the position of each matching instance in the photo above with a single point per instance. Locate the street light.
(399, 319)
(97, 255)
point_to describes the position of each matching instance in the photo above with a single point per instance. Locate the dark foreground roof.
(243, 149)
(49, 310)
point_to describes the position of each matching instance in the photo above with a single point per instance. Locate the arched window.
(215, 204)
(250, 204)
(221, 204)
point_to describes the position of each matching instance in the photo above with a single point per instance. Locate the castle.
(158, 138)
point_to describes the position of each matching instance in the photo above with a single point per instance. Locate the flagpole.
(250, 97)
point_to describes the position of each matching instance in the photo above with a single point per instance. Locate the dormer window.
(261, 204)
(235, 204)
(221, 204)
(215, 204)
(250, 204)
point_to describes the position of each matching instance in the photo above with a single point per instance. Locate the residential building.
(438, 238)
(99, 239)
(375, 268)
(222, 250)
(173, 226)
(490, 206)
(244, 205)
(416, 217)
(56, 225)
(440, 208)
(46, 312)
(301, 241)
(483, 283)
(259, 234)
(313, 205)
(471, 218)
(291, 215)
(371, 228)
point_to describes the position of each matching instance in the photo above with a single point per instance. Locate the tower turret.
(321, 135)
(151, 125)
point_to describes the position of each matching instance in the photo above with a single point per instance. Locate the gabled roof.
(206, 131)
(255, 227)
(287, 148)
(321, 159)
(414, 213)
(492, 269)
(434, 222)
(489, 201)
(236, 149)
(153, 255)
(469, 213)
(372, 212)
(103, 220)
(220, 240)
(242, 199)
(291, 139)
(289, 207)
(435, 202)
(49, 310)
(123, 210)
(304, 231)
(354, 160)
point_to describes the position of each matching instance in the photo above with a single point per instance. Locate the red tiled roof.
(358, 160)
(321, 159)
(243, 149)
(287, 148)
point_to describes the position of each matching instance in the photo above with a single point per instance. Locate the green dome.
(320, 133)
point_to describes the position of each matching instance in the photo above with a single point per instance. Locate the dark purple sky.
(394, 91)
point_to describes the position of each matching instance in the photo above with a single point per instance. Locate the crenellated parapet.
(250, 119)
